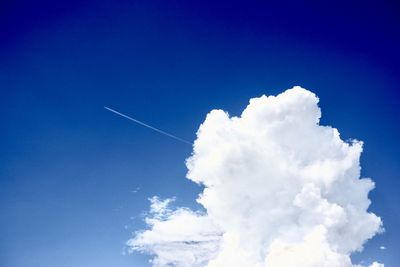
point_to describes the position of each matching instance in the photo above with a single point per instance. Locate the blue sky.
(68, 167)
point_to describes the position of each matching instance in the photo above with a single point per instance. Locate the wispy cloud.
(179, 237)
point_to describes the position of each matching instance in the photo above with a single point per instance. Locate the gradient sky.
(75, 178)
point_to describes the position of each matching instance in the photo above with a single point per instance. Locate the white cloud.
(178, 237)
(280, 190)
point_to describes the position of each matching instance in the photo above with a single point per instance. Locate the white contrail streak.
(148, 126)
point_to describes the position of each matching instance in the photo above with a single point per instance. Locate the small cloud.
(382, 247)
(134, 191)
(119, 208)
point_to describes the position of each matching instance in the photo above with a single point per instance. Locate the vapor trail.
(149, 126)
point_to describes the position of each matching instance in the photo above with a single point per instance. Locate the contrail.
(149, 126)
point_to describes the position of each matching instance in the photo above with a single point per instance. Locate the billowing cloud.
(280, 190)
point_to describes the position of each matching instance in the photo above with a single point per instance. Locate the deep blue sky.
(68, 167)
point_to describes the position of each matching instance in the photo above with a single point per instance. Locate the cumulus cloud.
(280, 190)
